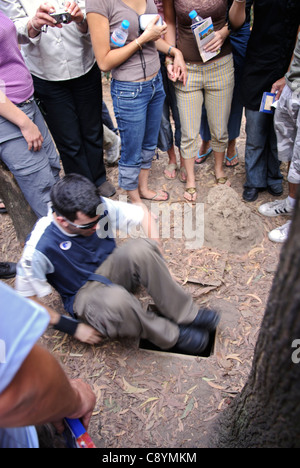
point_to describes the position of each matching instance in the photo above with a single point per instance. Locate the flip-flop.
(191, 191)
(231, 159)
(154, 198)
(201, 158)
(182, 175)
(170, 168)
(222, 181)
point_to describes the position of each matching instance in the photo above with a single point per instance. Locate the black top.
(270, 47)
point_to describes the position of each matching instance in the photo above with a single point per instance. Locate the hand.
(75, 12)
(32, 135)
(216, 43)
(86, 403)
(277, 88)
(87, 334)
(177, 70)
(180, 69)
(153, 32)
(42, 17)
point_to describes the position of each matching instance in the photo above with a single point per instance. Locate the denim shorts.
(138, 110)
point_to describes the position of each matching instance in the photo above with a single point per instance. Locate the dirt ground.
(150, 399)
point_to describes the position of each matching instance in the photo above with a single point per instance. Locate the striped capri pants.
(212, 82)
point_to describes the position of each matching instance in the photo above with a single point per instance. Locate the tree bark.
(266, 414)
(22, 216)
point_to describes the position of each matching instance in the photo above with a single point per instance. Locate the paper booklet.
(204, 33)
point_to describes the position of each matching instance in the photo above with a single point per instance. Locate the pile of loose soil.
(230, 224)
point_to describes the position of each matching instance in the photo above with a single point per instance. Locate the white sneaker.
(113, 153)
(280, 234)
(276, 208)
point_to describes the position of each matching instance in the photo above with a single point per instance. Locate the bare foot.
(161, 195)
(190, 194)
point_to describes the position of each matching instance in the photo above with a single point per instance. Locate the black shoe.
(106, 189)
(192, 340)
(275, 190)
(7, 270)
(206, 319)
(250, 194)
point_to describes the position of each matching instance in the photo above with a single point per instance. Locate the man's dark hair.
(74, 193)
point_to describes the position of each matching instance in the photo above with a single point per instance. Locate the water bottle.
(119, 35)
(195, 17)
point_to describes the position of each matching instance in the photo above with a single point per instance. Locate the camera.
(61, 17)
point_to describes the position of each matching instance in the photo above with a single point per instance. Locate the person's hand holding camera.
(42, 19)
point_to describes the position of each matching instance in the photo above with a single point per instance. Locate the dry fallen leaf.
(131, 389)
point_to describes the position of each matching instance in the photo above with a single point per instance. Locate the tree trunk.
(22, 216)
(266, 414)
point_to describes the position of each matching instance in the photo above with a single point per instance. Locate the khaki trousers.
(211, 83)
(114, 310)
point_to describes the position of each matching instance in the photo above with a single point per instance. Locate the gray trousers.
(114, 310)
(287, 126)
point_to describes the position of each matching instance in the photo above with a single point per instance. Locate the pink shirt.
(15, 79)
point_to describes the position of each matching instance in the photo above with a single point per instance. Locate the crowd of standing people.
(52, 118)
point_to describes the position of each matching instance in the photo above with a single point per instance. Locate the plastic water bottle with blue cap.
(119, 35)
(195, 17)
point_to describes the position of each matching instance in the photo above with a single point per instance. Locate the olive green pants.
(115, 311)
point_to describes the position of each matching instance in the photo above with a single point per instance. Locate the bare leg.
(232, 158)
(219, 170)
(144, 191)
(190, 195)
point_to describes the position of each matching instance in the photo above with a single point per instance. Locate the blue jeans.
(261, 159)
(138, 110)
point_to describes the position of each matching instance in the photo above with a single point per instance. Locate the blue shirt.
(22, 322)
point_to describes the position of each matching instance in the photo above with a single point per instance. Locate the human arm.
(176, 66)
(278, 86)
(15, 115)
(170, 38)
(108, 58)
(237, 13)
(127, 217)
(31, 282)
(83, 332)
(41, 392)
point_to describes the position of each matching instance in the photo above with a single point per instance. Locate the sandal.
(158, 194)
(182, 175)
(222, 180)
(231, 159)
(170, 168)
(192, 192)
(201, 158)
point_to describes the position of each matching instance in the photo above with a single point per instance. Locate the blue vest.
(75, 259)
